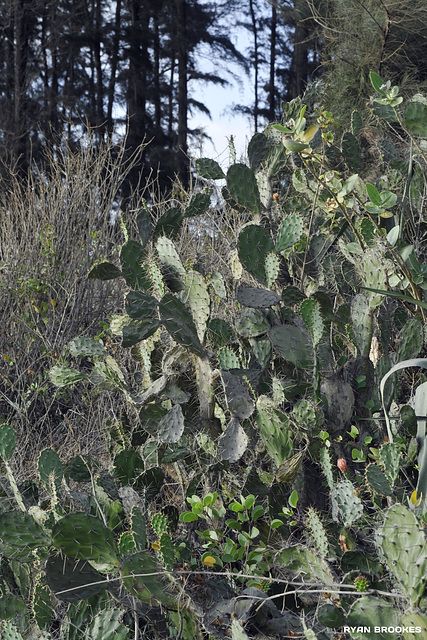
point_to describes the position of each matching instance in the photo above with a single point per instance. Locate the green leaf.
(377, 82)
(399, 296)
(374, 195)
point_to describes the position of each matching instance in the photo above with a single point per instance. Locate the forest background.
(196, 433)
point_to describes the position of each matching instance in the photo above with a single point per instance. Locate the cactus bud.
(275, 197)
(361, 584)
(342, 464)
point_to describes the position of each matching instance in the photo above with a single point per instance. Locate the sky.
(219, 100)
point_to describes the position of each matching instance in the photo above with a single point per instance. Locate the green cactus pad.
(105, 271)
(252, 323)
(196, 292)
(227, 359)
(169, 223)
(64, 376)
(289, 232)
(128, 464)
(139, 330)
(50, 465)
(243, 187)
(220, 331)
(84, 537)
(356, 122)
(275, 431)
(198, 204)
(258, 149)
(369, 612)
(292, 344)
(168, 255)
(140, 305)
(331, 616)
(302, 560)
(317, 531)
(256, 297)
(325, 463)
(216, 281)
(144, 224)
(209, 169)
(86, 347)
(139, 529)
(272, 268)
(346, 505)
(292, 296)
(253, 245)
(41, 606)
(261, 348)
(239, 401)
(351, 152)
(141, 575)
(178, 321)
(376, 481)
(233, 443)
(312, 316)
(7, 441)
(106, 626)
(77, 579)
(414, 618)
(126, 544)
(132, 255)
(404, 545)
(20, 535)
(171, 426)
(410, 340)
(9, 631)
(12, 607)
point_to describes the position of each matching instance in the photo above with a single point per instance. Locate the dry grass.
(53, 226)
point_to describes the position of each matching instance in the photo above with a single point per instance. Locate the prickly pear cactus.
(7, 441)
(257, 298)
(252, 323)
(317, 531)
(233, 443)
(199, 301)
(376, 481)
(239, 401)
(369, 612)
(292, 344)
(243, 187)
(272, 268)
(404, 546)
(275, 431)
(178, 321)
(312, 317)
(209, 169)
(390, 461)
(253, 245)
(86, 347)
(346, 505)
(20, 534)
(84, 537)
(227, 359)
(326, 465)
(171, 426)
(289, 232)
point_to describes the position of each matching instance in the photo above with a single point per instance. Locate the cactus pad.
(171, 426)
(232, 444)
(369, 612)
(292, 344)
(376, 481)
(346, 505)
(20, 535)
(243, 187)
(209, 169)
(253, 245)
(252, 323)
(7, 441)
(240, 403)
(86, 347)
(404, 545)
(178, 321)
(289, 232)
(84, 537)
(256, 297)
